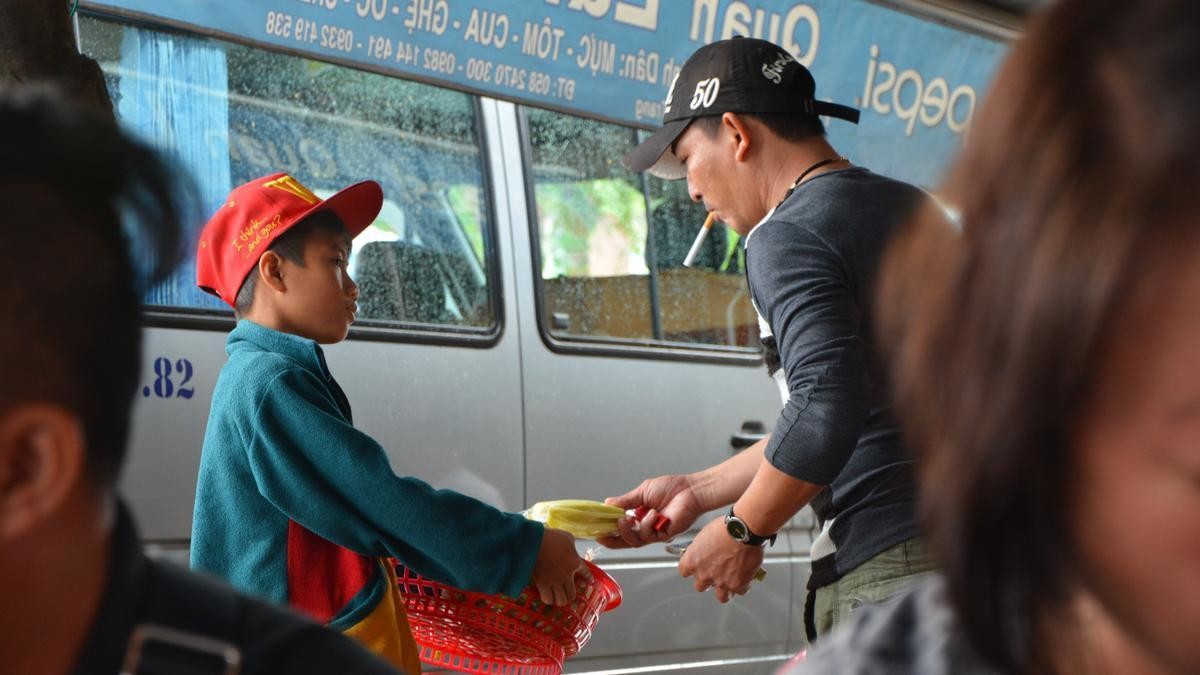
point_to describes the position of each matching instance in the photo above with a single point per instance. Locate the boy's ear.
(43, 455)
(270, 271)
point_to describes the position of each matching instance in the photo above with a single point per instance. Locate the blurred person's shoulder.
(182, 615)
(912, 632)
(273, 639)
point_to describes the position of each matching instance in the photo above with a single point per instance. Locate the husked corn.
(581, 517)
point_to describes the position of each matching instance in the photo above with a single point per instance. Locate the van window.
(229, 113)
(611, 243)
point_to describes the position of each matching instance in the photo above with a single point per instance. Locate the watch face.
(737, 529)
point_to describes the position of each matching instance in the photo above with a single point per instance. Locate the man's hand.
(671, 496)
(557, 563)
(718, 562)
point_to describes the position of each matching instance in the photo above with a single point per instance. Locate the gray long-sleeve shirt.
(812, 269)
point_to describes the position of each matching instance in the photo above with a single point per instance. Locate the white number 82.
(706, 92)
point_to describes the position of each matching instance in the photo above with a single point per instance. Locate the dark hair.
(77, 195)
(290, 246)
(1079, 177)
(788, 126)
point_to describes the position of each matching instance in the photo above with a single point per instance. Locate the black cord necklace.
(804, 174)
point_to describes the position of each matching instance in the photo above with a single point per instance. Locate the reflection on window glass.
(230, 113)
(612, 245)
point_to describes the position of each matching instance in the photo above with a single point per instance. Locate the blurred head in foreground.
(1047, 357)
(78, 196)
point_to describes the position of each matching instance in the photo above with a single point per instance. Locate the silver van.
(526, 328)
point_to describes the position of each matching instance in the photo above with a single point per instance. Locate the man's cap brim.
(842, 112)
(654, 154)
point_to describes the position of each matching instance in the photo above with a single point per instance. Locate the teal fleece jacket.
(283, 467)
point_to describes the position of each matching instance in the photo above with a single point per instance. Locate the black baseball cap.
(738, 75)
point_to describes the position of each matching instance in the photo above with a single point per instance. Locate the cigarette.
(700, 236)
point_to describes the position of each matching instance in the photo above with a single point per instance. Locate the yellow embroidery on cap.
(245, 234)
(289, 184)
(263, 233)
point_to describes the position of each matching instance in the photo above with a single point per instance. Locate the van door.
(635, 366)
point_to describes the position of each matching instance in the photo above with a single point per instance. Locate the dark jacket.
(141, 592)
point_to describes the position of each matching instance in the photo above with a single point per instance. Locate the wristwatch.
(740, 531)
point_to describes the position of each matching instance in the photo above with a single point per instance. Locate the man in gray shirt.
(742, 124)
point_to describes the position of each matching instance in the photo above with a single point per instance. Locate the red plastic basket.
(499, 635)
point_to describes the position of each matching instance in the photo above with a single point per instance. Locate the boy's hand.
(557, 563)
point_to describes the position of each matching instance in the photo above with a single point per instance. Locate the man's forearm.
(721, 485)
(772, 498)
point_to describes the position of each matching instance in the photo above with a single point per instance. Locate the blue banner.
(917, 81)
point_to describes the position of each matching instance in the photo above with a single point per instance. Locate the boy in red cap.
(293, 502)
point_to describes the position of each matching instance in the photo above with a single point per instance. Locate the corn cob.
(583, 518)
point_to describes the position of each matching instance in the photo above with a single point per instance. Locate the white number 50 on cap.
(706, 92)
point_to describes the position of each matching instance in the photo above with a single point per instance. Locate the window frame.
(615, 347)
(198, 318)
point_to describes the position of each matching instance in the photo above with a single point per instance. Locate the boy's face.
(321, 298)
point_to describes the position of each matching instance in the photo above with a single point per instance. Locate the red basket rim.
(606, 582)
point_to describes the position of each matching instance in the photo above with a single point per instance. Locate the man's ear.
(270, 271)
(43, 454)
(739, 134)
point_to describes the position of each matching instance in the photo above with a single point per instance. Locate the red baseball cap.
(256, 213)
